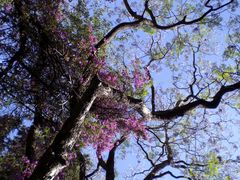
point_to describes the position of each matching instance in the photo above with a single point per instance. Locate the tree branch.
(94, 171)
(144, 21)
(82, 163)
(181, 110)
(163, 164)
(131, 12)
(171, 174)
(55, 157)
(110, 174)
(145, 152)
(23, 40)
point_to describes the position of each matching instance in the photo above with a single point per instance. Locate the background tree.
(155, 76)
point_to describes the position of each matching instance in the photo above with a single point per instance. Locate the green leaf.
(237, 105)
(3, 2)
(225, 74)
(144, 93)
(213, 166)
(149, 30)
(192, 174)
(227, 178)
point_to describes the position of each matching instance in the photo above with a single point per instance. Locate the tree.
(88, 74)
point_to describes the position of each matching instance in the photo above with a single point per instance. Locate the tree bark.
(54, 160)
(82, 170)
(110, 174)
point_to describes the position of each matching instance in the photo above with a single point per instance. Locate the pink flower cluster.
(103, 133)
(108, 107)
(110, 77)
(101, 136)
(141, 76)
(29, 167)
(8, 8)
(59, 16)
(71, 156)
(62, 34)
(91, 49)
(92, 38)
(139, 80)
(136, 78)
(105, 139)
(136, 126)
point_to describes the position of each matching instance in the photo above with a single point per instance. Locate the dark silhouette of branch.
(156, 168)
(82, 163)
(148, 10)
(18, 55)
(22, 41)
(38, 119)
(131, 12)
(108, 166)
(163, 164)
(141, 20)
(189, 164)
(153, 98)
(145, 152)
(171, 174)
(181, 110)
(94, 171)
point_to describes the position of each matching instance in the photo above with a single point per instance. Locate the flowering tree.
(108, 75)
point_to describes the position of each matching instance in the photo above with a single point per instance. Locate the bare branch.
(171, 174)
(131, 12)
(163, 164)
(144, 21)
(181, 110)
(146, 154)
(94, 171)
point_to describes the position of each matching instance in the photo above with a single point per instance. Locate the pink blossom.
(77, 145)
(59, 16)
(8, 8)
(138, 81)
(141, 75)
(106, 131)
(29, 167)
(60, 33)
(72, 156)
(109, 77)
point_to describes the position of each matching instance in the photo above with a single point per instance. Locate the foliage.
(82, 83)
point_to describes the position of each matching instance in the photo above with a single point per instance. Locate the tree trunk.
(54, 160)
